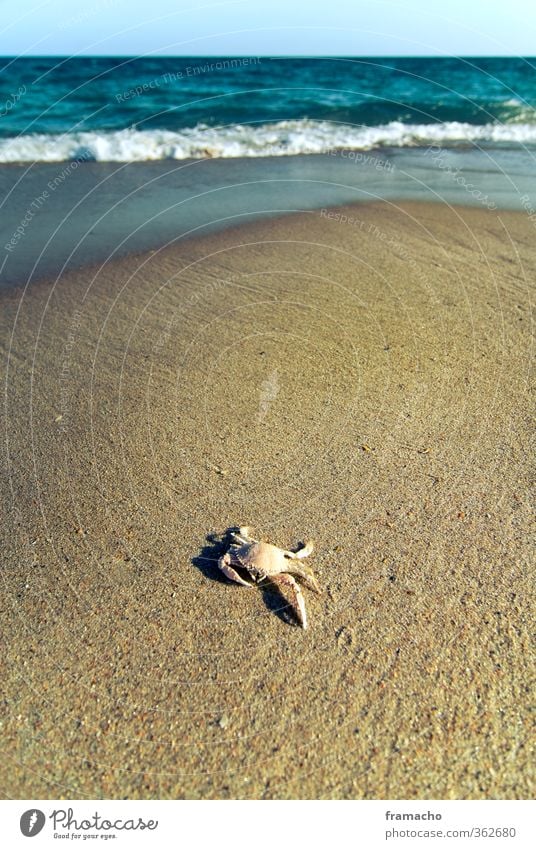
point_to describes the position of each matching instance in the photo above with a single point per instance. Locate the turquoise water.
(121, 109)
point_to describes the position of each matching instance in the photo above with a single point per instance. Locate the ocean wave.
(281, 138)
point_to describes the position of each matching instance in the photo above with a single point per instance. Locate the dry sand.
(363, 383)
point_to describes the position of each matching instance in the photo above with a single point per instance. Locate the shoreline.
(65, 215)
(364, 384)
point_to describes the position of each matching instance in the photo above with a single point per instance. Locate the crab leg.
(285, 581)
(305, 551)
(224, 564)
(242, 537)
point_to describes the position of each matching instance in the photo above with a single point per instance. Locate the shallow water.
(64, 215)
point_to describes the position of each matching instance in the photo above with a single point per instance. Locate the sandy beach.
(359, 376)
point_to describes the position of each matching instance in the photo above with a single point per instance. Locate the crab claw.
(286, 581)
(224, 563)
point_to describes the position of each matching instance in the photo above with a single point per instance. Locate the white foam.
(284, 138)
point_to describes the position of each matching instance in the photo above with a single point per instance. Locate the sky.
(268, 27)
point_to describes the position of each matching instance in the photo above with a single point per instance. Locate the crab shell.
(261, 559)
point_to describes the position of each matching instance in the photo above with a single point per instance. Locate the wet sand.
(359, 377)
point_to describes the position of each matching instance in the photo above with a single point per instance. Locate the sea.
(143, 109)
(100, 157)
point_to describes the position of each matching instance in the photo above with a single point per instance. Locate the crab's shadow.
(207, 563)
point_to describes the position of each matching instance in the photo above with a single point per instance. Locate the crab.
(262, 560)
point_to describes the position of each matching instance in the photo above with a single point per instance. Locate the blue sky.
(257, 27)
